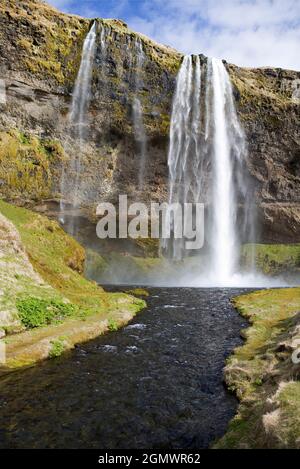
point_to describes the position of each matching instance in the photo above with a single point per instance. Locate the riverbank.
(46, 305)
(156, 383)
(263, 375)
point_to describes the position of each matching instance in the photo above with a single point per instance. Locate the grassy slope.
(262, 373)
(273, 259)
(56, 257)
(59, 260)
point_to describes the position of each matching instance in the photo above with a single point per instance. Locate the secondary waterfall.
(78, 122)
(137, 109)
(82, 90)
(206, 164)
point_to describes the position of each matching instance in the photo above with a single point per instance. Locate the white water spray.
(78, 121)
(140, 137)
(184, 158)
(82, 90)
(139, 129)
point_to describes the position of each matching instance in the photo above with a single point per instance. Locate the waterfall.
(140, 137)
(226, 134)
(78, 121)
(103, 40)
(137, 109)
(207, 164)
(184, 159)
(82, 90)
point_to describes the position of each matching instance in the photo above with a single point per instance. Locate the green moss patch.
(57, 302)
(26, 165)
(57, 348)
(112, 325)
(138, 292)
(56, 54)
(36, 312)
(273, 259)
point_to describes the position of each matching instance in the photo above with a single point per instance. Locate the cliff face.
(40, 51)
(269, 108)
(40, 55)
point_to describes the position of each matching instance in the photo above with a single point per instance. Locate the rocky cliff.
(40, 51)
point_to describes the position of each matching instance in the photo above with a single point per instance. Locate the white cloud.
(233, 13)
(245, 32)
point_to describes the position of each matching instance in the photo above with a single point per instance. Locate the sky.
(250, 33)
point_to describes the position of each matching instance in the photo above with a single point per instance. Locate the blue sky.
(245, 32)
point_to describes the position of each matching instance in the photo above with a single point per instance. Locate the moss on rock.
(138, 292)
(26, 163)
(50, 42)
(273, 259)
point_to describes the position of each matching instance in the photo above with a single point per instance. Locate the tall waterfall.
(78, 122)
(139, 129)
(228, 148)
(206, 164)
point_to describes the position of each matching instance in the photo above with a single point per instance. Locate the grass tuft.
(36, 312)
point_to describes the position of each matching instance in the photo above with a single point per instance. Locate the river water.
(157, 383)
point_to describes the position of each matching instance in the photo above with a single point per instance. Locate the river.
(157, 383)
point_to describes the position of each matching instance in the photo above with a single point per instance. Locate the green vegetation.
(262, 373)
(166, 57)
(260, 91)
(112, 325)
(59, 260)
(53, 300)
(274, 259)
(116, 265)
(57, 348)
(26, 164)
(36, 312)
(150, 246)
(138, 292)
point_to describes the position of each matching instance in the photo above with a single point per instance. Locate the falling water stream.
(224, 240)
(139, 129)
(184, 158)
(78, 120)
(228, 145)
(82, 89)
(206, 135)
